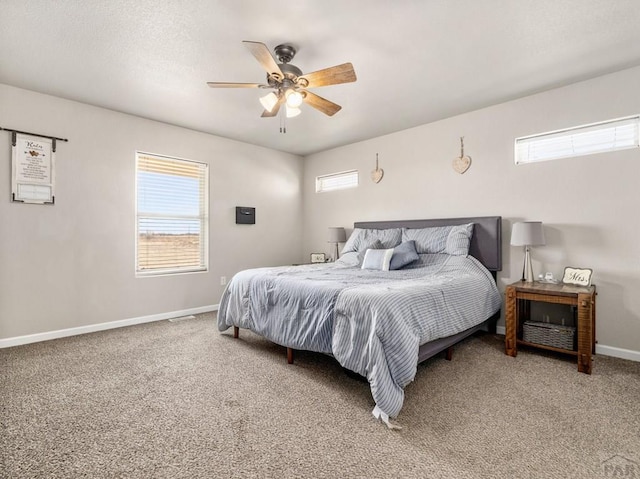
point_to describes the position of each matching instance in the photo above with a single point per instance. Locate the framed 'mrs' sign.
(579, 276)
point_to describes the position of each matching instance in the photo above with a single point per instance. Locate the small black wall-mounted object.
(245, 215)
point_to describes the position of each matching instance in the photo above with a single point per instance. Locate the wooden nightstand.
(517, 311)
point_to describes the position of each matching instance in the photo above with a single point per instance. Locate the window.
(582, 140)
(337, 181)
(171, 215)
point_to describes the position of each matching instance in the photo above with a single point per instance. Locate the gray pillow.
(361, 239)
(403, 254)
(351, 243)
(459, 240)
(428, 240)
(453, 240)
(354, 258)
(377, 259)
(349, 259)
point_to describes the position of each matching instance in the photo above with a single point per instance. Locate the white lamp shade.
(294, 98)
(527, 233)
(337, 235)
(291, 112)
(269, 101)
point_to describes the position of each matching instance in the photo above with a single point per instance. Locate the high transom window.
(337, 181)
(600, 137)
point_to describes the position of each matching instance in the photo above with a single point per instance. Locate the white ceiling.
(417, 61)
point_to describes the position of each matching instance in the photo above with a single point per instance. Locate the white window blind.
(337, 181)
(172, 215)
(610, 135)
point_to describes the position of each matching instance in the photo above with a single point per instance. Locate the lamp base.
(527, 268)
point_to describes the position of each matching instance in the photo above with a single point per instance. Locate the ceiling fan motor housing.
(285, 53)
(291, 74)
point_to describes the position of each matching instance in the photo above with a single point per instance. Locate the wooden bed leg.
(289, 355)
(449, 353)
(236, 332)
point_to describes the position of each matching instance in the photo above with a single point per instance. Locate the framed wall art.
(32, 167)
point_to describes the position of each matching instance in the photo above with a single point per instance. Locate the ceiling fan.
(289, 84)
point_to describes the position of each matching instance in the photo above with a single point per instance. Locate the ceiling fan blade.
(274, 111)
(325, 106)
(262, 54)
(329, 76)
(218, 84)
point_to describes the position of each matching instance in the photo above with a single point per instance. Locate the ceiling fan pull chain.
(283, 123)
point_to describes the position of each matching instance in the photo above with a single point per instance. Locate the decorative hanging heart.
(462, 163)
(378, 173)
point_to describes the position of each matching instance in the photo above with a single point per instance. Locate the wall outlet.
(223, 280)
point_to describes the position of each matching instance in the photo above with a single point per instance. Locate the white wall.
(589, 205)
(72, 264)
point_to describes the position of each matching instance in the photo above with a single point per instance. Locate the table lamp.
(336, 235)
(527, 234)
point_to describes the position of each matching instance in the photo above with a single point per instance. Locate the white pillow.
(377, 259)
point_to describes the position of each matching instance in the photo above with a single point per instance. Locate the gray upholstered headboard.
(486, 243)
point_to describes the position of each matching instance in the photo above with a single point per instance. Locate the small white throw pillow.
(377, 259)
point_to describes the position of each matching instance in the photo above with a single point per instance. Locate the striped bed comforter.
(372, 322)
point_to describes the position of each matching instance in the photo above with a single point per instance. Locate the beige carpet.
(181, 400)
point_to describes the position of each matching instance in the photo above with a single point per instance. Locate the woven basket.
(549, 334)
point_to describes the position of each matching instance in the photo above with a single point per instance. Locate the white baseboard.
(618, 352)
(92, 328)
(603, 349)
(63, 333)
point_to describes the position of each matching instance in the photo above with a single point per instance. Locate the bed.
(375, 321)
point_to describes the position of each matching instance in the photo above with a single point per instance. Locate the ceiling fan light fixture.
(292, 112)
(269, 101)
(294, 98)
